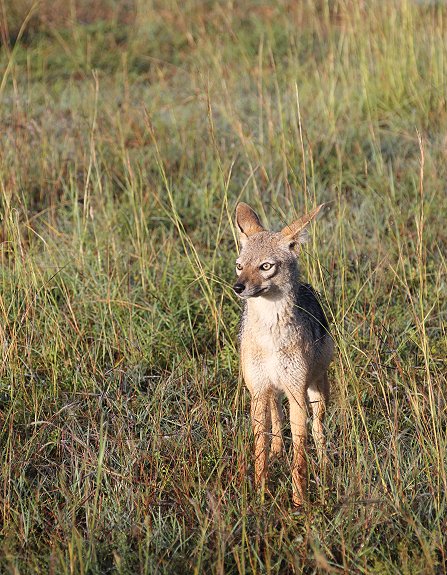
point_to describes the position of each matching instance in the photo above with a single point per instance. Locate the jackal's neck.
(272, 309)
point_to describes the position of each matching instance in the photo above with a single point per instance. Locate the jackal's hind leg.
(277, 446)
(318, 396)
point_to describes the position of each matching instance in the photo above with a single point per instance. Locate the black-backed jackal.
(284, 341)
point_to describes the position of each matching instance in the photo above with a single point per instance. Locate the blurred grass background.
(129, 131)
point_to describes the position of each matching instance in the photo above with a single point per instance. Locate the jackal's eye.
(238, 267)
(266, 266)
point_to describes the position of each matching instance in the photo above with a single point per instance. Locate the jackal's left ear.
(247, 222)
(296, 231)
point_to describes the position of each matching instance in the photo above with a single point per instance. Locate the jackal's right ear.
(296, 232)
(247, 222)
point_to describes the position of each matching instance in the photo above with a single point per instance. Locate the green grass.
(129, 131)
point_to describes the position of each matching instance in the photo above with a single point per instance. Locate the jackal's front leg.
(298, 417)
(261, 421)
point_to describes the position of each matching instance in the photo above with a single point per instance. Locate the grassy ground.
(129, 131)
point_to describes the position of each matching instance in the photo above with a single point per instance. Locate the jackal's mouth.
(256, 293)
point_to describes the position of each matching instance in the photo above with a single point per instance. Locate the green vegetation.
(129, 131)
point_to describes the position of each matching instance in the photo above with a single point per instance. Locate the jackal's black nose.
(239, 288)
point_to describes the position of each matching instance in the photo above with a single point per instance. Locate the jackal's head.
(267, 262)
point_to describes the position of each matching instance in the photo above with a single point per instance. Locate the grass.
(129, 133)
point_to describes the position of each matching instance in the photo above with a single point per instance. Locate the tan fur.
(284, 342)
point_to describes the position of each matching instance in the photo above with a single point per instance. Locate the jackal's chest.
(272, 356)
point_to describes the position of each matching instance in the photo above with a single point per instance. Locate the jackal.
(285, 343)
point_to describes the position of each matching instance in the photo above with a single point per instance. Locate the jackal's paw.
(297, 501)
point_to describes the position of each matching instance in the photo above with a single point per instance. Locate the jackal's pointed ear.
(296, 231)
(247, 222)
